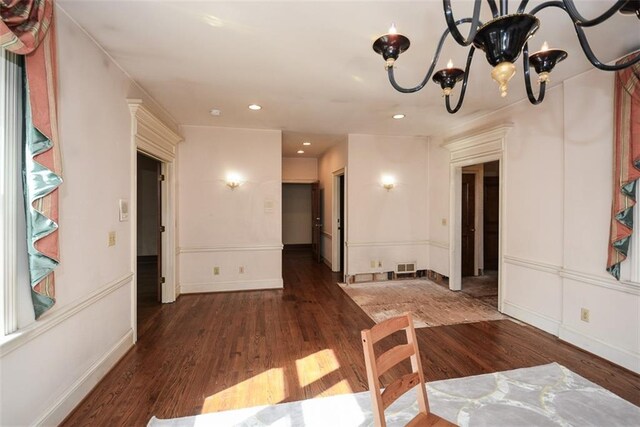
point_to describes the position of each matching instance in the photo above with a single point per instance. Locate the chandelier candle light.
(502, 39)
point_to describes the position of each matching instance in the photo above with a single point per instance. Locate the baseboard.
(620, 356)
(237, 285)
(327, 263)
(74, 395)
(540, 321)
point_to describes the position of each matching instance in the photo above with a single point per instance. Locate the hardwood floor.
(213, 352)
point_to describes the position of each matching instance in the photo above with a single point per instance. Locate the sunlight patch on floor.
(315, 366)
(270, 384)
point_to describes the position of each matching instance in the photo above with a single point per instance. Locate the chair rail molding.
(471, 148)
(151, 136)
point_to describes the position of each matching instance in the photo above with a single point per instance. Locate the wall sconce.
(233, 180)
(388, 182)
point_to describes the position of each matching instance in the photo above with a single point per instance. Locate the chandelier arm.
(582, 38)
(391, 74)
(452, 24)
(464, 84)
(584, 43)
(523, 5)
(527, 78)
(577, 18)
(494, 8)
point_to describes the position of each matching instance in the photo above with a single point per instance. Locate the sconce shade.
(391, 45)
(503, 38)
(544, 60)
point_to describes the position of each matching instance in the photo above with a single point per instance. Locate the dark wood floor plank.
(221, 351)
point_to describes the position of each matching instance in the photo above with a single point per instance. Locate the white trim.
(377, 244)
(601, 281)
(70, 398)
(229, 286)
(535, 265)
(620, 356)
(10, 79)
(299, 181)
(438, 244)
(23, 336)
(538, 320)
(336, 251)
(474, 147)
(327, 263)
(229, 248)
(151, 136)
(591, 279)
(327, 234)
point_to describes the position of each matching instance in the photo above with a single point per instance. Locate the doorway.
(297, 213)
(149, 238)
(480, 228)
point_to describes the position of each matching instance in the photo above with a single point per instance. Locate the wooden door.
(316, 222)
(160, 181)
(468, 223)
(491, 221)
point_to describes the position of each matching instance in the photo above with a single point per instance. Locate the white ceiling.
(310, 65)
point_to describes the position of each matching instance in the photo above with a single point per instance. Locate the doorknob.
(473, 229)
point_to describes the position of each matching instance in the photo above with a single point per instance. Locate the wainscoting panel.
(532, 293)
(238, 267)
(361, 255)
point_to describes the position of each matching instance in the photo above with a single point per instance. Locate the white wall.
(229, 229)
(299, 169)
(333, 160)
(48, 367)
(296, 214)
(558, 199)
(386, 227)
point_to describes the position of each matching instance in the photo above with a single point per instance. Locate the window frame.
(11, 92)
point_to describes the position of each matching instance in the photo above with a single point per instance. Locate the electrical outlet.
(584, 314)
(241, 269)
(379, 263)
(444, 221)
(373, 264)
(112, 238)
(216, 271)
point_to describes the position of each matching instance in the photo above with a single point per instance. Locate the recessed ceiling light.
(306, 143)
(300, 151)
(255, 107)
(215, 112)
(398, 116)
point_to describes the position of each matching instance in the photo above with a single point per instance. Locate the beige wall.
(558, 199)
(387, 227)
(229, 229)
(301, 169)
(90, 327)
(333, 160)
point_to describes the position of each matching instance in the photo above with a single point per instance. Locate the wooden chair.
(377, 366)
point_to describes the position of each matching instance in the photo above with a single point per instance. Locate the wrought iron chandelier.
(502, 39)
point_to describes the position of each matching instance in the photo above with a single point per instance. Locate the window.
(14, 273)
(630, 267)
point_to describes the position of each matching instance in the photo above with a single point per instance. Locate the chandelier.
(502, 39)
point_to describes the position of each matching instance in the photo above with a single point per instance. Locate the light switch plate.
(123, 206)
(112, 238)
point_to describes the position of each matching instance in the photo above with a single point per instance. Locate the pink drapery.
(26, 28)
(626, 166)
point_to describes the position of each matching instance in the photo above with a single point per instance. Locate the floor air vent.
(406, 267)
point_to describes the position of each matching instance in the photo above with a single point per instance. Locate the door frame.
(336, 250)
(470, 149)
(150, 136)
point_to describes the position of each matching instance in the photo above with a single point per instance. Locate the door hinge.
(162, 229)
(162, 280)
(161, 177)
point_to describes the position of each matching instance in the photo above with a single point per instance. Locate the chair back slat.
(399, 387)
(391, 358)
(389, 326)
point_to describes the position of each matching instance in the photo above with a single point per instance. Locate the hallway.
(217, 351)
